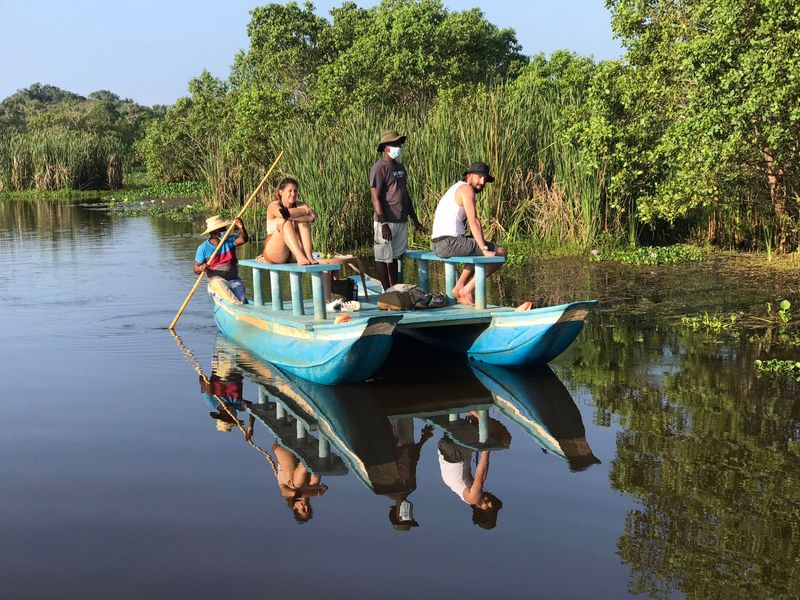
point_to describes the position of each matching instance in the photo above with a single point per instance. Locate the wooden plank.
(287, 267)
(461, 260)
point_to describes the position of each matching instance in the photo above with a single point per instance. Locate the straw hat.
(390, 137)
(214, 223)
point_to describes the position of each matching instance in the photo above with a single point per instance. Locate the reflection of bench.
(293, 435)
(295, 280)
(450, 271)
(475, 436)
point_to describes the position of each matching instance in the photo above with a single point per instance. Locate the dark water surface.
(648, 461)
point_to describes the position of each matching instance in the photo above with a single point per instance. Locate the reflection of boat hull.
(328, 352)
(539, 403)
(512, 338)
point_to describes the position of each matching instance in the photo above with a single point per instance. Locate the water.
(117, 481)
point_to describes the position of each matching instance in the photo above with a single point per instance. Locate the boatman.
(223, 272)
(392, 207)
(449, 236)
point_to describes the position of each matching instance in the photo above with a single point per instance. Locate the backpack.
(402, 296)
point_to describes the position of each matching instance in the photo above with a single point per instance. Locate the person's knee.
(500, 251)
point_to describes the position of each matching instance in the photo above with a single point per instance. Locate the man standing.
(392, 205)
(449, 231)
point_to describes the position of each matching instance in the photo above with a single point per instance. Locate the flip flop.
(438, 301)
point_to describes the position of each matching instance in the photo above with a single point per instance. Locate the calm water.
(649, 461)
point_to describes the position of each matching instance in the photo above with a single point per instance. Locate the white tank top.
(449, 218)
(456, 476)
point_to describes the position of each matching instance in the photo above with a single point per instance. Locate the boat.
(302, 339)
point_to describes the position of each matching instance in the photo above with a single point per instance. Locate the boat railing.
(423, 258)
(295, 272)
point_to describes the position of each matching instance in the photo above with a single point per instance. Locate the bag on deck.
(402, 296)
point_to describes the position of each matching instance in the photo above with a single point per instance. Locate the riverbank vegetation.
(691, 137)
(53, 140)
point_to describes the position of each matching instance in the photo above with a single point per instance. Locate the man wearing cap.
(449, 236)
(392, 205)
(224, 266)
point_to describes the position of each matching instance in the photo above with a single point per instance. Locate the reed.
(544, 189)
(61, 160)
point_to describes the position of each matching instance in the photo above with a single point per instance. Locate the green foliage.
(716, 323)
(775, 366)
(183, 189)
(54, 139)
(702, 121)
(650, 255)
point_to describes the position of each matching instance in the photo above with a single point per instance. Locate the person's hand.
(203, 268)
(239, 223)
(489, 253)
(427, 432)
(386, 232)
(312, 215)
(420, 227)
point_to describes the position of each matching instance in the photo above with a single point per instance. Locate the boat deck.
(455, 314)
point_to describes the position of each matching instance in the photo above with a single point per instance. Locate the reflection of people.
(223, 394)
(223, 269)
(296, 484)
(456, 472)
(288, 227)
(401, 515)
(392, 205)
(448, 237)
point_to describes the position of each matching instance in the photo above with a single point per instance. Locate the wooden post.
(449, 278)
(480, 286)
(262, 395)
(300, 430)
(422, 274)
(296, 284)
(324, 446)
(280, 411)
(453, 417)
(258, 298)
(483, 426)
(318, 296)
(276, 290)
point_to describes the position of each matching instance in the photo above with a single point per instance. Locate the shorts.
(458, 245)
(389, 251)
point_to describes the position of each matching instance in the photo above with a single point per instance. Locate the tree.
(711, 102)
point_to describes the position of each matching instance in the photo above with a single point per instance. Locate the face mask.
(394, 151)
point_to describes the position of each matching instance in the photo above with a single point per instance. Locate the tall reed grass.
(543, 190)
(61, 160)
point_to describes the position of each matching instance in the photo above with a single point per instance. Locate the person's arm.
(375, 187)
(242, 238)
(413, 214)
(473, 494)
(199, 267)
(302, 214)
(466, 197)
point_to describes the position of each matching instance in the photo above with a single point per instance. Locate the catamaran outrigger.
(306, 342)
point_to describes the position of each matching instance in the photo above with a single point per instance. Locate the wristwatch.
(484, 247)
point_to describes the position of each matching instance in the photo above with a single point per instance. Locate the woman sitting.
(288, 227)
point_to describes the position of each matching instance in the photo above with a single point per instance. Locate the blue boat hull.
(533, 337)
(329, 353)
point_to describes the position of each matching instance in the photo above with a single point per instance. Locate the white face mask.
(394, 151)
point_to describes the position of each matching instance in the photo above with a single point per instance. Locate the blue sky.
(148, 50)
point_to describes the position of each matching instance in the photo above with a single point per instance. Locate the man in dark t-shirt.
(392, 205)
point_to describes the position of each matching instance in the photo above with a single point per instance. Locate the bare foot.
(465, 298)
(303, 261)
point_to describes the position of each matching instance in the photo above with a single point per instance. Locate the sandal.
(438, 301)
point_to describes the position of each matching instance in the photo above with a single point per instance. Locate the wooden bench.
(295, 280)
(423, 257)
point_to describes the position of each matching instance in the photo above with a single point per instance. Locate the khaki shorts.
(389, 251)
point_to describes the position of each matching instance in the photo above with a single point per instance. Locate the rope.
(196, 365)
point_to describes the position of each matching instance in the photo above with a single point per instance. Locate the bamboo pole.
(224, 237)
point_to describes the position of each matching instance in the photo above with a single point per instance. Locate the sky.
(148, 50)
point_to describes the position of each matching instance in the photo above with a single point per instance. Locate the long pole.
(224, 237)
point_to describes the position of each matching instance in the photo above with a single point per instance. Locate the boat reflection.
(371, 430)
